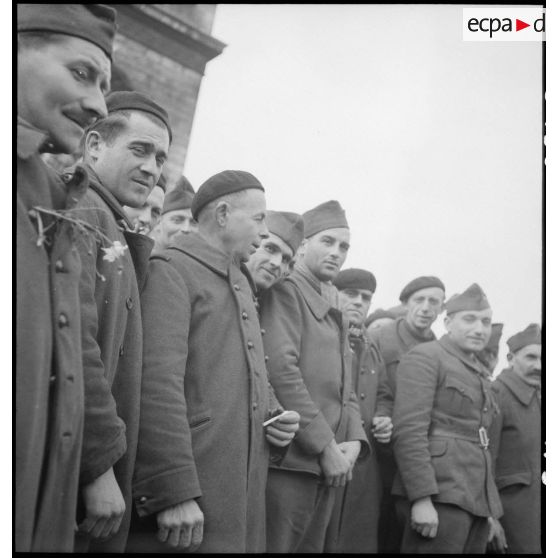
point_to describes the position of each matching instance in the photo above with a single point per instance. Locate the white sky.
(431, 144)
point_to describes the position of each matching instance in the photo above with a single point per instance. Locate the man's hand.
(424, 517)
(335, 465)
(382, 429)
(496, 536)
(181, 526)
(104, 507)
(281, 432)
(351, 450)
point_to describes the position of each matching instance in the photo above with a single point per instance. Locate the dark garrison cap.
(95, 23)
(221, 184)
(133, 100)
(180, 197)
(424, 282)
(495, 336)
(287, 226)
(531, 335)
(353, 278)
(327, 215)
(473, 298)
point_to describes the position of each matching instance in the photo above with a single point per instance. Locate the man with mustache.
(515, 440)
(63, 72)
(310, 370)
(145, 218)
(124, 155)
(443, 409)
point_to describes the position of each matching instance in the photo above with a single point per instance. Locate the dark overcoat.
(49, 377)
(204, 397)
(112, 348)
(515, 438)
(443, 398)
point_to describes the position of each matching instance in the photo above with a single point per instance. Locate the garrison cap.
(162, 182)
(95, 23)
(424, 282)
(531, 335)
(494, 339)
(327, 215)
(180, 197)
(288, 226)
(473, 298)
(353, 278)
(221, 184)
(133, 100)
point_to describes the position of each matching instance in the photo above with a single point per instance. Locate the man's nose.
(94, 103)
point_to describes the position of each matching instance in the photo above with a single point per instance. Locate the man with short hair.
(515, 443)
(202, 458)
(63, 72)
(310, 370)
(489, 355)
(124, 157)
(145, 218)
(443, 409)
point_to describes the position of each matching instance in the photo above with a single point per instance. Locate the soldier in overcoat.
(54, 106)
(443, 409)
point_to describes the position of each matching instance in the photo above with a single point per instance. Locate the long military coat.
(112, 348)
(515, 438)
(204, 396)
(49, 378)
(443, 398)
(310, 369)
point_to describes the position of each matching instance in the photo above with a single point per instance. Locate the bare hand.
(424, 517)
(351, 450)
(496, 536)
(104, 507)
(382, 429)
(281, 432)
(181, 526)
(335, 466)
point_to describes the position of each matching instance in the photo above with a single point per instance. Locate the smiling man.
(124, 157)
(63, 71)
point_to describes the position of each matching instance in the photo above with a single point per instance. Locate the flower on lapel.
(115, 251)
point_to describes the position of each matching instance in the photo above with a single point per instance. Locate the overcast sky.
(431, 144)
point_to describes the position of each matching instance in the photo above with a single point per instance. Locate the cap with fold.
(180, 197)
(221, 184)
(288, 226)
(423, 282)
(327, 215)
(133, 100)
(531, 335)
(472, 298)
(95, 23)
(354, 278)
(495, 336)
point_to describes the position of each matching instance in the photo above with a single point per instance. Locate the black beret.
(472, 298)
(287, 226)
(353, 278)
(424, 282)
(180, 197)
(133, 100)
(95, 23)
(327, 215)
(531, 335)
(221, 184)
(495, 336)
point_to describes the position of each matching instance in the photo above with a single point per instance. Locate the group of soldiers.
(197, 372)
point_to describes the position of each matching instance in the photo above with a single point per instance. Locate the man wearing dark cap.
(354, 525)
(489, 355)
(423, 299)
(443, 409)
(63, 72)
(144, 219)
(202, 457)
(272, 260)
(515, 442)
(124, 156)
(310, 370)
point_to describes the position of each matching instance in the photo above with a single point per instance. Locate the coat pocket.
(199, 421)
(456, 387)
(438, 448)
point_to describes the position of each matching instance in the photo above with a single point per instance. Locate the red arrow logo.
(519, 25)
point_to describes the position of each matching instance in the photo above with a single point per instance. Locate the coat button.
(485, 409)
(63, 320)
(363, 396)
(121, 350)
(372, 371)
(52, 379)
(250, 345)
(70, 377)
(266, 358)
(236, 287)
(244, 316)
(363, 370)
(142, 500)
(67, 434)
(254, 406)
(129, 303)
(262, 331)
(59, 266)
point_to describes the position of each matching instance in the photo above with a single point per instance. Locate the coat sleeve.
(417, 379)
(165, 472)
(282, 320)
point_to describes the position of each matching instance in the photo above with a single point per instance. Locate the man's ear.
(302, 248)
(222, 211)
(447, 321)
(509, 356)
(94, 144)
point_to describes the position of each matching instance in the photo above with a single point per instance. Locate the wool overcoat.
(204, 396)
(443, 398)
(49, 376)
(112, 348)
(515, 438)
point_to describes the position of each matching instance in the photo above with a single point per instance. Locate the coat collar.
(469, 360)
(29, 139)
(522, 391)
(317, 304)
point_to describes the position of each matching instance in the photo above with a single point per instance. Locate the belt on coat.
(480, 437)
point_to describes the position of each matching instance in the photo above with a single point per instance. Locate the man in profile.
(145, 218)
